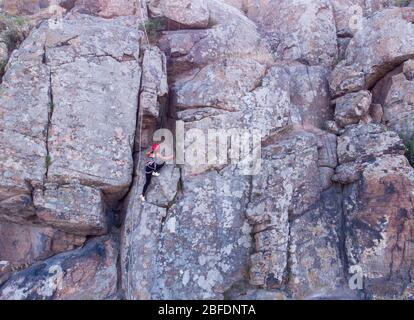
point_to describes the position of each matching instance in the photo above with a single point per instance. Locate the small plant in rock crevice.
(153, 28)
(409, 143)
(402, 3)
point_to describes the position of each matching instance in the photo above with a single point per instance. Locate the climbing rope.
(135, 194)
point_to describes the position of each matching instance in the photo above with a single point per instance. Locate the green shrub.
(409, 143)
(12, 29)
(153, 27)
(2, 66)
(402, 3)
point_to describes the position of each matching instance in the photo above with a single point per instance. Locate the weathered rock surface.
(64, 208)
(20, 244)
(153, 96)
(195, 247)
(92, 131)
(352, 107)
(111, 8)
(395, 93)
(186, 13)
(296, 225)
(62, 137)
(276, 195)
(377, 202)
(374, 50)
(299, 30)
(378, 210)
(83, 274)
(103, 8)
(80, 101)
(363, 142)
(23, 138)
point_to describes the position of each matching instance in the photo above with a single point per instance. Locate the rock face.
(82, 274)
(395, 94)
(298, 30)
(69, 159)
(377, 212)
(374, 51)
(310, 102)
(188, 14)
(22, 244)
(352, 108)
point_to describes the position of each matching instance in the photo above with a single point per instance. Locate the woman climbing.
(153, 166)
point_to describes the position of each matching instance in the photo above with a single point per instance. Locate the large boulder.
(172, 251)
(92, 124)
(73, 208)
(87, 273)
(25, 244)
(298, 30)
(375, 50)
(395, 92)
(352, 107)
(72, 133)
(185, 13)
(190, 49)
(363, 142)
(25, 91)
(377, 208)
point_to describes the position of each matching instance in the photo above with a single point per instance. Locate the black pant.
(148, 176)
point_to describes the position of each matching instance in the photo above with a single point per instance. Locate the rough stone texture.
(395, 92)
(62, 137)
(231, 36)
(92, 130)
(375, 50)
(20, 244)
(377, 208)
(75, 209)
(379, 238)
(376, 112)
(153, 96)
(315, 254)
(299, 30)
(295, 224)
(363, 142)
(23, 121)
(205, 243)
(83, 274)
(26, 7)
(196, 248)
(81, 99)
(279, 191)
(348, 13)
(188, 14)
(103, 8)
(352, 107)
(112, 8)
(309, 93)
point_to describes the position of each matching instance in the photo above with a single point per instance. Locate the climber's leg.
(148, 177)
(158, 167)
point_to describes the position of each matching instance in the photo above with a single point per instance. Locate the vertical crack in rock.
(342, 235)
(288, 269)
(51, 107)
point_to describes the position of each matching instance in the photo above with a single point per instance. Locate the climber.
(153, 166)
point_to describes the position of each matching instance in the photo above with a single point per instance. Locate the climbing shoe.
(142, 198)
